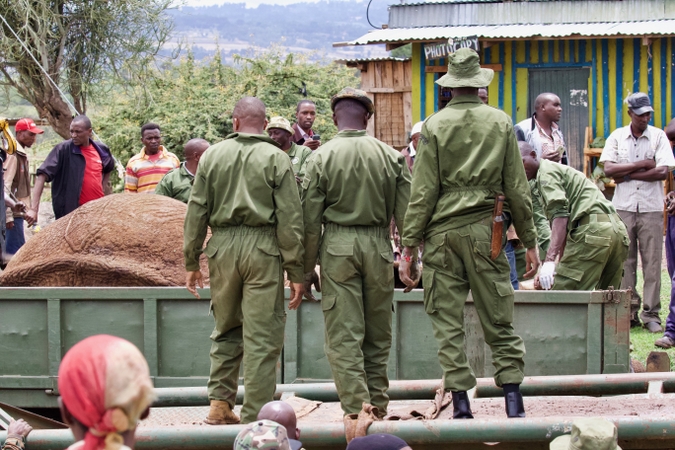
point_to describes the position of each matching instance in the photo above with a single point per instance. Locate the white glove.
(547, 274)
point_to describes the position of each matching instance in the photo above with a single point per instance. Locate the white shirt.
(623, 148)
(305, 136)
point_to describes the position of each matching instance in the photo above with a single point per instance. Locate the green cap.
(262, 434)
(464, 71)
(588, 434)
(281, 123)
(356, 94)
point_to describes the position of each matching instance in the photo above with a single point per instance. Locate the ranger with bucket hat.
(467, 163)
(353, 186)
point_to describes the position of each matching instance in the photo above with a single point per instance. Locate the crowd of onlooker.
(79, 169)
(482, 204)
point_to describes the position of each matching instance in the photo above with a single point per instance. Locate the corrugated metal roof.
(422, 2)
(427, 34)
(443, 14)
(425, 2)
(375, 59)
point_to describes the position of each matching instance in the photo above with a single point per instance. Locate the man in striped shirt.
(147, 168)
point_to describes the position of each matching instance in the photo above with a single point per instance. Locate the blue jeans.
(511, 256)
(15, 237)
(670, 258)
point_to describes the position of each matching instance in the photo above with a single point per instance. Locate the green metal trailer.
(565, 333)
(525, 434)
(653, 430)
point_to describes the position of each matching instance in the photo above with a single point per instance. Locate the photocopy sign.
(442, 50)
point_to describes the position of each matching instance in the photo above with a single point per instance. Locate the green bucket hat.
(588, 434)
(464, 70)
(356, 94)
(281, 123)
(262, 435)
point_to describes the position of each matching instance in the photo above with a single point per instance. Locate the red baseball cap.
(27, 124)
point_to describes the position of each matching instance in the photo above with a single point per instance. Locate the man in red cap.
(78, 169)
(17, 181)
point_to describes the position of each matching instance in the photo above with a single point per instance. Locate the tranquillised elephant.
(119, 240)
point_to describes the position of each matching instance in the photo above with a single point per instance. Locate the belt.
(506, 217)
(382, 232)
(485, 221)
(241, 230)
(484, 187)
(590, 218)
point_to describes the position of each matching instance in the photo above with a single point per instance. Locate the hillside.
(299, 27)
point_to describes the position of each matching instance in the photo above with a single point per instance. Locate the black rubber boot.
(461, 409)
(514, 401)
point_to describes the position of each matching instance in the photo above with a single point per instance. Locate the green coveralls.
(353, 185)
(467, 155)
(177, 183)
(299, 155)
(245, 191)
(597, 240)
(543, 232)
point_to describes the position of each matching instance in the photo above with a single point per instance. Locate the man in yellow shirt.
(145, 170)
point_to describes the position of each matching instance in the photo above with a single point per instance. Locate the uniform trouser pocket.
(337, 262)
(587, 253)
(502, 310)
(357, 284)
(429, 292)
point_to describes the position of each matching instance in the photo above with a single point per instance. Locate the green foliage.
(642, 341)
(79, 43)
(404, 51)
(192, 99)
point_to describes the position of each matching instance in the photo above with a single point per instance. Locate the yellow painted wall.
(619, 71)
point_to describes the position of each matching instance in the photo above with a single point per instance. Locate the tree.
(404, 51)
(195, 99)
(79, 43)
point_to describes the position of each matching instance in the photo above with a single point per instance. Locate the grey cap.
(639, 103)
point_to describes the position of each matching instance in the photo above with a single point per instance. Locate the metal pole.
(658, 432)
(593, 385)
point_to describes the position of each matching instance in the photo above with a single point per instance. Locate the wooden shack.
(388, 82)
(591, 53)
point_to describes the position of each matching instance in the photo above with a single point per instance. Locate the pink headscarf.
(104, 381)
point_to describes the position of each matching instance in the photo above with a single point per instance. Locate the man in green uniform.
(177, 183)
(353, 186)
(280, 130)
(468, 155)
(543, 232)
(245, 191)
(586, 233)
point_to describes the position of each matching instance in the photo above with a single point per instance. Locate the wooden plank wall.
(389, 85)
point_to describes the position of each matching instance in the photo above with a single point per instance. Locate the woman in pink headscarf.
(105, 388)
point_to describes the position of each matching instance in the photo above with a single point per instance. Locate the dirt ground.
(483, 408)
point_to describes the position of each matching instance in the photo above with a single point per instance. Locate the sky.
(249, 3)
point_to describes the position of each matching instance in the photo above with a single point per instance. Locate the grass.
(641, 339)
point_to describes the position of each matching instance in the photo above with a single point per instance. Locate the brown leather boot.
(221, 414)
(350, 421)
